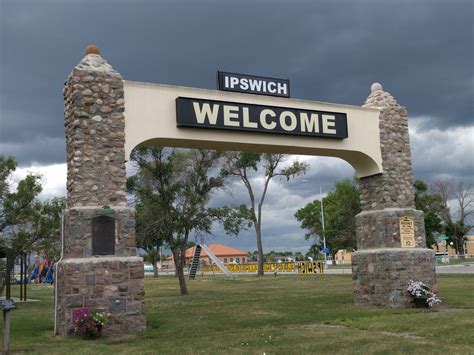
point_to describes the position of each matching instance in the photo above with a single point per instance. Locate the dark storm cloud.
(421, 51)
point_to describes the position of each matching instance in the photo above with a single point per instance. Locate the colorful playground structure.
(40, 272)
(43, 271)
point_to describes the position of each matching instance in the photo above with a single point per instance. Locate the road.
(448, 269)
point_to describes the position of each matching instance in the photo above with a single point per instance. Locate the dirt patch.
(322, 325)
(405, 335)
(402, 335)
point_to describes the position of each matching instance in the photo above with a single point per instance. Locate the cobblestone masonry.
(380, 267)
(381, 275)
(95, 137)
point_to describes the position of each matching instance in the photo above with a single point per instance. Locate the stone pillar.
(381, 267)
(87, 276)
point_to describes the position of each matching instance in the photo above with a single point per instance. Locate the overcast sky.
(421, 52)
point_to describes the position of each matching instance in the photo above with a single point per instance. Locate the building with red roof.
(225, 254)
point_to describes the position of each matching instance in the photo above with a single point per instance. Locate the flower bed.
(423, 296)
(89, 322)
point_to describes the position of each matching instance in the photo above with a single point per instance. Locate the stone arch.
(106, 117)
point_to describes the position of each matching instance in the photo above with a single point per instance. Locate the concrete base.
(112, 284)
(380, 276)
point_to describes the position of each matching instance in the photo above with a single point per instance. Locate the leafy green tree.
(456, 231)
(299, 256)
(340, 207)
(17, 207)
(26, 223)
(173, 188)
(149, 240)
(152, 256)
(16, 210)
(313, 252)
(433, 208)
(253, 255)
(242, 165)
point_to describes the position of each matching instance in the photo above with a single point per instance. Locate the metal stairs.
(195, 262)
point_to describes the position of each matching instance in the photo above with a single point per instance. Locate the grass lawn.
(286, 314)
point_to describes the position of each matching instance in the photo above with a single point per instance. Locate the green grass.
(284, 314)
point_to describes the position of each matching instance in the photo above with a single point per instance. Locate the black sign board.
(201, 113)
(252, 84)
(103, 235)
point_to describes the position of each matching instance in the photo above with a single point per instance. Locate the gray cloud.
(332, 51)
(421, 51)
(440, 153)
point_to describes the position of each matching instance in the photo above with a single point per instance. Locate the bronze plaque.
(407, 232)
(103, 235)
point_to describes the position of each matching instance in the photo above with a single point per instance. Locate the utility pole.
(322, 224)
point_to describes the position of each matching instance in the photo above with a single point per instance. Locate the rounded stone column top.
(379, 98)
(92, 49)
(94, 63)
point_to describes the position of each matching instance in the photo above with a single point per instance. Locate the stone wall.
(382, 275)
(381, 268)
(78, 230)
(111, 284)
(393, 188)
(381, 229)
(95, 138)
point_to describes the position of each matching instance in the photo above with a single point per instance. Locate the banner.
(301, 267)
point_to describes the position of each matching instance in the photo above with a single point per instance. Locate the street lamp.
(322, 224)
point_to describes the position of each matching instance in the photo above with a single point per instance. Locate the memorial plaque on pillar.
(407, 232)
(103, 235)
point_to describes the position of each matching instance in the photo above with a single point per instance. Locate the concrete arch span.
(362, 163)
(150, 118)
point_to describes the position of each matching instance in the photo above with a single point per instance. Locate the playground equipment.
(212, 256)
(43, 271)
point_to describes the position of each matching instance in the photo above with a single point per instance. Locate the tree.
(16, 210)
(340, 207)
(433, 207)
(313, 252)
(173, 188)
(456, 231)
(443, 189)
(152, 256)
(149, 240)
(253, 255)
(241, 165)
(464, 197)
(26, 223)
(458, 204)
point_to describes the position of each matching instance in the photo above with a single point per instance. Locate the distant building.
(469, 246)
(343, 257)
(443, 247)
(225, 254)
